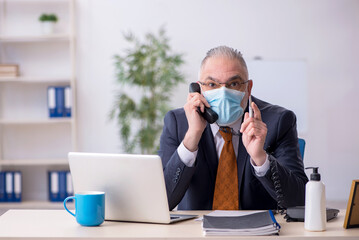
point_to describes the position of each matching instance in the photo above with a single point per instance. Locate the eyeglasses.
(235, 85)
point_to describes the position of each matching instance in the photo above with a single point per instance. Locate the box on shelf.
(9, 70)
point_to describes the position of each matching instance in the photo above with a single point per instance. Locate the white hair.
(223, 51)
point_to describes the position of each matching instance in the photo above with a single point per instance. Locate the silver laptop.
(134, 185)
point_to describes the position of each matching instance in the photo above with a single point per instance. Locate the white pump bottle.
(315, 217)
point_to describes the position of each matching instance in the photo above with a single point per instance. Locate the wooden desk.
(20, 224)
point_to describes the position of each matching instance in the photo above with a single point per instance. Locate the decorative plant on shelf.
(48, 18)
(151, 71)
(48, 22)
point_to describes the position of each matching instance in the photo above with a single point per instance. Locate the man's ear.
(250, 85)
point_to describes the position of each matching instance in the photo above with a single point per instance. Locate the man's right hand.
(196, 123)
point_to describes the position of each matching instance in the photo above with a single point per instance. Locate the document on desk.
(240, 223)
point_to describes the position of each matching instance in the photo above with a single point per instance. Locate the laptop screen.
(133, 184)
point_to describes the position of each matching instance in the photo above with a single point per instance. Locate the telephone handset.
(208, 114)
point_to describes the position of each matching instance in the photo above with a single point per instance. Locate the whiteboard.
(282, 83)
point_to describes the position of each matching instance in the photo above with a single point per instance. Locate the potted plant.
(48, 23)
(151, 71)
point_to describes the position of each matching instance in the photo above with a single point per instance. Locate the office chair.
(301, 142)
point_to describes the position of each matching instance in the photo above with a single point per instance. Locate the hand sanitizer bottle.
(315, 217)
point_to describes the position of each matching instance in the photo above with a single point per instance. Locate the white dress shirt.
(189, 158)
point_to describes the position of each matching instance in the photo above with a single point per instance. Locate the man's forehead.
(223, 67)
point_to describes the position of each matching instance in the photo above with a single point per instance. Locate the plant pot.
(47, 27)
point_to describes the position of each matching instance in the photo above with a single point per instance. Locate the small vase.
(48, 27)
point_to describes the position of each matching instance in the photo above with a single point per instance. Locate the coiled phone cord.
(277, 185)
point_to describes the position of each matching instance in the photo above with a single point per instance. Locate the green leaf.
(153, 70)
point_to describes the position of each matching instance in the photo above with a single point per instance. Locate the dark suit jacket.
(192, 188)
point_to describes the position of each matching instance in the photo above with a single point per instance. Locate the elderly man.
(238, 162)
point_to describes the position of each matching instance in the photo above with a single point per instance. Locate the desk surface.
(61, 225)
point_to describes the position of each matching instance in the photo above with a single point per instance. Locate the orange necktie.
(226, 189)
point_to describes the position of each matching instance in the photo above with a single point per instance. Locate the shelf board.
(35, 1)
(52, 80)
(36, 38)
(35, 205)
(35, 121)
(33, 162)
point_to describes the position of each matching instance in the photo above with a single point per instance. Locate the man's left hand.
(254, 133)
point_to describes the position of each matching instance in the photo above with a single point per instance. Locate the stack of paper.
(235, 223)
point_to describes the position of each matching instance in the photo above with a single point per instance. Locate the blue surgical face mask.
(226, 103)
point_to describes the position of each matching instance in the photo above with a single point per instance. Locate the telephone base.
(296, 214)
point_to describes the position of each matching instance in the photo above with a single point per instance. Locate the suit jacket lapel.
(209, 152)
(241, 163)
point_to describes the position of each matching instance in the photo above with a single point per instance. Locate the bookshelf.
(34, 121)
(33, 80)
(34, 162)
(31, 141)
(36, 205)
(33, 39)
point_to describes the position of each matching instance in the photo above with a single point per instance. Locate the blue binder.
(9, 186)
(60, 101)
(68, 101)
(57, 185)
(62, 185)
(53, 177)
(17, 186)
(51, 101)
(2, 187)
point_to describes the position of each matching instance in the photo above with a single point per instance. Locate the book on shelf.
(59, 101)
(10, 186)
(68, 101)
(2, 187)
(51, 101)
(60, 185)
(9, 70)
(240, 223)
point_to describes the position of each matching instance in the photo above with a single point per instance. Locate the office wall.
(323, 33)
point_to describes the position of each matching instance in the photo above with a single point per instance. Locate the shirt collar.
(236, 126)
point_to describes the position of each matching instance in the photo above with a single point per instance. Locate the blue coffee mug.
(89, 207)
